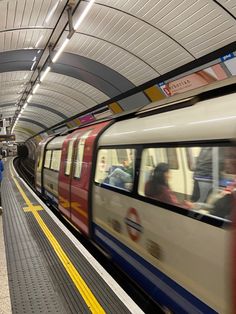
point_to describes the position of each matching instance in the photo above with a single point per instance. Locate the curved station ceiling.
(110, 47)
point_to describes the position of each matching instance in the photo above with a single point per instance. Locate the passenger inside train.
(224, 205)
(158, 187)
(195, 178)
(202, 176)
(121, 176)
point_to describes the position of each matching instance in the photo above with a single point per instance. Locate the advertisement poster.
(195, 80)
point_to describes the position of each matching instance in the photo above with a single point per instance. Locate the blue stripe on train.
(159, 286)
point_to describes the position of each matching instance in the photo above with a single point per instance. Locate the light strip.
(45, 73)
(83, 15)
(57, 55)
(32, 66)
(51, 12)
(25, 105)
(29, 98)
(35, 88)
(37, 43)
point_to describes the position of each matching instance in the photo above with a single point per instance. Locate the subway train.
(178, 245)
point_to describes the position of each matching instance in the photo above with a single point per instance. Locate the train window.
(69, 157)
(171, 155)
(56, 159)
(80, 154)
(203, 179)
(48, 159)
(115, 167)
(192, 154)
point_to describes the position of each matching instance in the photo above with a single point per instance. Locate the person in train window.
(158, 188)
(203, 174)
(224, 205)
(122, 174)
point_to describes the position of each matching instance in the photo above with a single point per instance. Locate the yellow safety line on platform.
(80, 284)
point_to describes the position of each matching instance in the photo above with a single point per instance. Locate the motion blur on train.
(156, 193)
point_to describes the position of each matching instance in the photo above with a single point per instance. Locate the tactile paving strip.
(106, 297)
(31, 289)
(38, 281)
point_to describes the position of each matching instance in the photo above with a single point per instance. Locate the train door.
(39, 164)
(66, 173)
(75, 175)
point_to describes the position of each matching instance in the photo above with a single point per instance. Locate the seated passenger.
(158, 188)
(121, 175)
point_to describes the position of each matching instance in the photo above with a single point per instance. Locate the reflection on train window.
(80, 154)
(204, 181)
(47, 159)
(172, 159)
(69, 157)
(115, 167)
(56, 158)
(192, 155)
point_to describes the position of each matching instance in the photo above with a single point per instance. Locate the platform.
(49, 271)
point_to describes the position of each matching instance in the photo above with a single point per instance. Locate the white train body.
(180, 252)
(187, 251)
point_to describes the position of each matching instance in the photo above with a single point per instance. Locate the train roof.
(206, 120)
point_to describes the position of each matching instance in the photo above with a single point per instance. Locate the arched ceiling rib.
(35, 122)
(120, 45)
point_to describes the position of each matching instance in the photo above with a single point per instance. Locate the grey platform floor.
(38, 281)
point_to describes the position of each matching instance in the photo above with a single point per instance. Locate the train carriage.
(179, 255)
(179, 252)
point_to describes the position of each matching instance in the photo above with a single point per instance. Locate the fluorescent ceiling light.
(32, 66)
(83, 15)
(29, 98)
(38, 42)
(25, 105)
(35, 88)
(45, 73)
(57, 55)
(51, 12)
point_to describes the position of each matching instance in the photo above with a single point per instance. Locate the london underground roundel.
(133, 224)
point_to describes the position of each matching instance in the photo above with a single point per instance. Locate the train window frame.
(78, 163)
(131, 151)
(204, 217)
(55, 151)
(47, 164)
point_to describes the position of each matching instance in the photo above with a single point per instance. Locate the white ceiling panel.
(112, 56)
(229, 5)
(28, 13)
(51, 101)
(23, 39)
(33, 114)
(133, 41)
(24, 125)
(190, 23)
(76, 85)
(75, 95)
(66, 101)
(7, 111)
(131, 36)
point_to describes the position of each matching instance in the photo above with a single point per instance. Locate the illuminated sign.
(7, 137)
